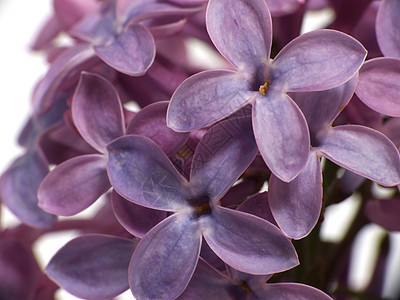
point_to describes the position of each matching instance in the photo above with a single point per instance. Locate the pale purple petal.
(296, 205)
(363, 151)
(248, 243)
(93, 266)
(97, 111)
(317, 60)
(131, 53)
(293, 291)
(242, 32)
(47, 33)
(281, 133)
(74, 185)
(143, 174)
(222, 155)
(207, 97)
(387, 27)
(379, 85)
(384, 212)
(151, 122)
(136, 219)
(165, 259)
(69, 12)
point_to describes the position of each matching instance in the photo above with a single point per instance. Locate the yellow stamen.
(264, 88)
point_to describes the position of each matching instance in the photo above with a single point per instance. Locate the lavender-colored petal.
(47, 33)
(74, 185)
(281, 133)
(363, 151)
(242, 31)
(248, 243)
(131, 53)
(391, 128)
(387, 27)
(207, 97)
(67, 64)
(258, 205)
(69, 12)
(97, 111)
(296, 205)
(317, 60)
(379, 85)
(165, 259)
(280, 8)
(136, 219)
(143, 174)
(93, 266)
(293, 291)
(151, 122)
(222, 155)
(384, 212)
(19, 185)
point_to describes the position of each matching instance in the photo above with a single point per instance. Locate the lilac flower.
(242, 32)
(384, 212)
(388, 28)
(166, 257)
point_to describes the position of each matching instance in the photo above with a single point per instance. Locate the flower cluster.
(215, 184)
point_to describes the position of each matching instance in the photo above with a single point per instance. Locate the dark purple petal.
(384, 212)
(248, 243)
(284, 7)
(19, 185)
(143, 174)
(151, 122)
(93, 266)
(296, 205)
(387, 27)
(363, 151)
(293, 291)
(97, 111)
(131, 53)
(317, 60)
(258, 205)
(242, 32)
(136, 219)
(74, 185)
(207, 97)
(69, 12)
(222, 155)
(165, 259)
(379, 85)
(281, 133)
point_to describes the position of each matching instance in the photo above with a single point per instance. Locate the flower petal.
(293, 291)
(384, 212)
(317, 60)
(165, 259)
(93, 266)
(207, 97)
(387, 27)
(379, 85)
(74, 185)
(282, 134)
(222, 155)
(248, 243)
(363, 151)
(143, 174)
(258, 205)
(296, 205)
(284, 7)
(242, 31)
(131, 53)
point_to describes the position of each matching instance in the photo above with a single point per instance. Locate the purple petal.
(151, 122)
(242, 31)
(387, 27)
(47, 33)
(19, 185)
(258, 205)
(391, 128)
(317, 60)
(222, 155)
(143, 174)
(207, 97)
(384, 212)
(296, 205)
(363, 151)
(284, 7)
(165, 259)
(136, 219)
(97, 111)
(69, 12)
(379, 85)
(74, 185)
(248, 243)
(131, 53)
(93, 266)
(293, 291)
(281, 133)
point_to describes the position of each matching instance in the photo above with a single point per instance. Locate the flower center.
(201, 205)
(264, 88)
